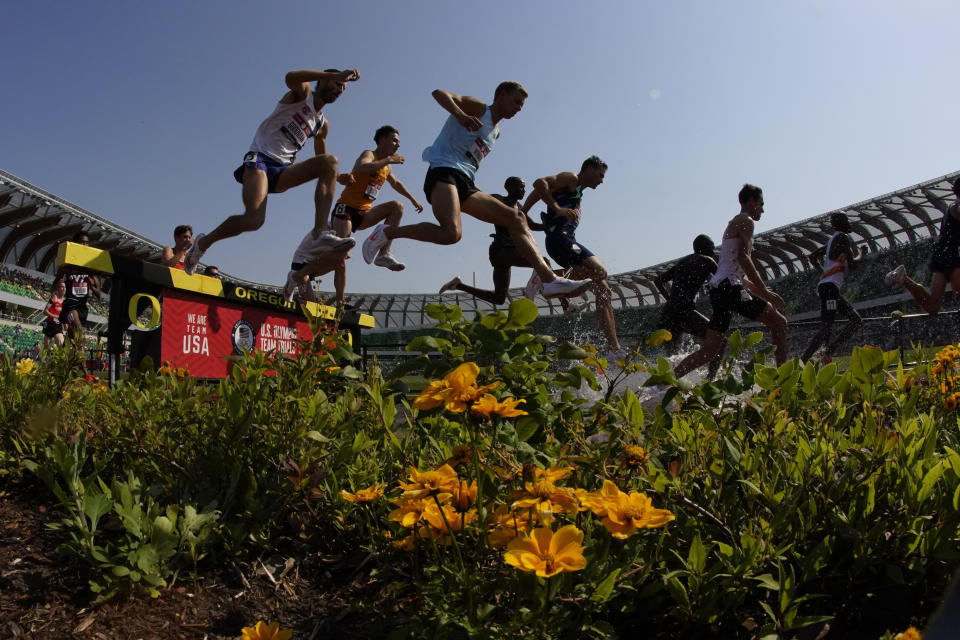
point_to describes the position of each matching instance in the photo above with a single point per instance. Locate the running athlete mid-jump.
(737, 286)
(944, 263)
(270, 165)
(467, 136)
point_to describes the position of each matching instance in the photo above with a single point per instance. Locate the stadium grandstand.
(896, 227)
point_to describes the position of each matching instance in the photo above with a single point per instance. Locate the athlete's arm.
(742, 228)
(368, 163)
(816, 257)
(534, 226)
(169, 257)
(94, 283)
(48, 310)
(402, 190)
(543, 189)
(466, 109)
(661, 280)
(320, 140)
(299, 81)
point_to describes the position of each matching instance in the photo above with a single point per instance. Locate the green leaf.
(679, 593)
(767, 581)
(697, 557)
(526, 426)
(570, 351)
(930, 480)
(522, 312)
(605, 588)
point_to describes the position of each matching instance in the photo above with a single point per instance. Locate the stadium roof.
(33, 222)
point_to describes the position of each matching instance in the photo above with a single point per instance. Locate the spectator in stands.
(944, 263)
(52, 329)
(182, 241)
(80, 284)
(212, 271)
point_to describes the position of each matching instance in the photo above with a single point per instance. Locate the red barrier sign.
(199, 332)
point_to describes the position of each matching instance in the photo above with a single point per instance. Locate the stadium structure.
(895, 227)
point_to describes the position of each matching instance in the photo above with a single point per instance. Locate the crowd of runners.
(468, 135)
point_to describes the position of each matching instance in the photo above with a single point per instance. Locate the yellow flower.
(503, 525)
(548, 553)
(369, 494)
(909, 634)
(546, 498)
(553, 473)
(464, 496)
(624, 513)
(950, 402)
(264, 631)
(445, 519)
(658, 337)
(461, 454)
(456, 391)
(424, 483)
(409, 511)
(26, 367)
(635, 456)
(489, 405)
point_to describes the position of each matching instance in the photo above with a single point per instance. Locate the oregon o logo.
(154, 320)
(243, 336)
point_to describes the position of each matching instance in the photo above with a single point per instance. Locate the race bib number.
(372, 190)
(831, 305)
(79, 290)
(477, 152)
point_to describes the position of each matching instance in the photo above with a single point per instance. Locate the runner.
(182, 241)
(269, 166)
(944, 263)
(680, 315)
(503, 252)
(733, 283)
(838, 258)
(562, 194)
(354, 210)
(467, 136)
(52, 329)
(79, 285)
(309, 263)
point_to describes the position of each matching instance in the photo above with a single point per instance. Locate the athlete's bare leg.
(715, 341)
(323, 168)
(593, 269)
(932, 300)
(391, 212)
(501, 282)
(449, 229)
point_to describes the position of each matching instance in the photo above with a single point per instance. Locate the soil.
(42, 596)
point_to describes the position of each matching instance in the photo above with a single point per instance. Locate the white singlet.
(728, 267)
(833, 270)
(286, 130)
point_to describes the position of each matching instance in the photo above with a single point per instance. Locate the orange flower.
(369, 494)
(488, 406)
(456, 391)
(548, 553)
(546, 498)
(424, 483)
(464, 496)
(624, 513)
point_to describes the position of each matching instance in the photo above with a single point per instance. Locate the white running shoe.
(387, 260)
(576, 308)
(306, 292)
(896, 276)
(373, 244)
(533, 287)
(616, 354)
(450, 285)
(329, 241)
(192, 259)
(564, 288)
(290, 287)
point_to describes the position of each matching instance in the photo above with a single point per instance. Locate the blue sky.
(141, 111)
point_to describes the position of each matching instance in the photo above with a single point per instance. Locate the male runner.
(503, 252)
(562, 194)
(52, 329)
(687, 276)
(838, 258)
(944, 263)
(270, 167)
(309, 263)
(732, 285)
(182, 241)
(355, 211)
(80, 284)
(467, 136)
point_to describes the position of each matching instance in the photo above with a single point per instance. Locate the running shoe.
(894, 277)
(192, 259)
(576, 308)
(450, 285)
(564, 288)
(306, 292)
(329, 241)
(534, 286)
(373, 244)
(616, 354)
(290, 287)
(387, 260)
